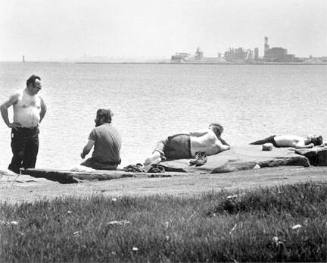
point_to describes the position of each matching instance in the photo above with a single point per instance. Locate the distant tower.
(266, 46)
(256, 53)
(198, 54)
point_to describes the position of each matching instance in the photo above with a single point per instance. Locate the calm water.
(153, 101)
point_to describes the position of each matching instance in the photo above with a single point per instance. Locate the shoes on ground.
(137, 168)
(156, 168)
(200, 159)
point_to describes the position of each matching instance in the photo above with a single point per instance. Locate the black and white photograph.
(163, 131)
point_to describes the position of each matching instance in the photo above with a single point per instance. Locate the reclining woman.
(294, 141)
(186, 146)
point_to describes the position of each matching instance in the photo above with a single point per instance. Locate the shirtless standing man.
(185, 146)
(29, 109)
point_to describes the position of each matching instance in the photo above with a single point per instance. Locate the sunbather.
(294, 141)
(185, 146)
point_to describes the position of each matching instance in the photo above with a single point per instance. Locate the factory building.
(196, 58)
(240, 55)
(198, 54)
(276, 54)
(180, 57)
(236, 55)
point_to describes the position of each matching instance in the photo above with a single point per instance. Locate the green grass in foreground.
(286, 223)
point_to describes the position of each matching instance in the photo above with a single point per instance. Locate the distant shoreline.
(169, 63)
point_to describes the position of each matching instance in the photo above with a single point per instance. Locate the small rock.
(121, 222)
(267, 147)
(296, 226)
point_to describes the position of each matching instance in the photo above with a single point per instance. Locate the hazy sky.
(147, 29)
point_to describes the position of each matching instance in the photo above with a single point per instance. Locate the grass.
(285, 223)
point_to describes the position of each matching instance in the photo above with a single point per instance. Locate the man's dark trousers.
(25, 147)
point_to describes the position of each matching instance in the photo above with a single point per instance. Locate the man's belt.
(28, 128)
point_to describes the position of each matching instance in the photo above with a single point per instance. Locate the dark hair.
(217, 128)
(106, 114)
(317, 140)
(31, 80)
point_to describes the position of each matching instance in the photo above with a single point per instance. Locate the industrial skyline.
(232, 55)
(242, 55)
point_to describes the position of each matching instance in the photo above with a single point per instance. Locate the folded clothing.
(137, 168)
(156, 168)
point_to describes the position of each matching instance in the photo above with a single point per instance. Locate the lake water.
(151, 101)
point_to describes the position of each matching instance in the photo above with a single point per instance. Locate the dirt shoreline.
(23, 188)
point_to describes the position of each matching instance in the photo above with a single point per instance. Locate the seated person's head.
(103, 116)
(316, 140)
(216, 128)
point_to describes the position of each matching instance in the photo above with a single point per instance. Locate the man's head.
(216, 128)
(103, 116)
(316, 140)
(33, 84)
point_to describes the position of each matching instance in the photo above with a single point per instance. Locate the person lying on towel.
(294, 141)
(186, 146)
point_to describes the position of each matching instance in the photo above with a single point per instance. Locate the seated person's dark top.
(107, 144)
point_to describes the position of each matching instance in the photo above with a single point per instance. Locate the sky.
(156, 29)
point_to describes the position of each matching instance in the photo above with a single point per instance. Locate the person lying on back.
(289, 140)
(186, 146)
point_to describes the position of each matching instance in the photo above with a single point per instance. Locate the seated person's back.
(106, 142)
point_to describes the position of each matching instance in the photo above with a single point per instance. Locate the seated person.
(185, 146)
(106, 141)
(294, 141)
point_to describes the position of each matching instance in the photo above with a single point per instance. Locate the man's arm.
(224, 147)
(4, 111)
(223, 141)
(198, 134)
(300, 146)
(43, 109)
(87, 148)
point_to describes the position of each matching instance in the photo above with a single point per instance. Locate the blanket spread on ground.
(240, 158)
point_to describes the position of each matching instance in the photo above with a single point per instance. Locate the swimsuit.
(270, 139)
(175, 147)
